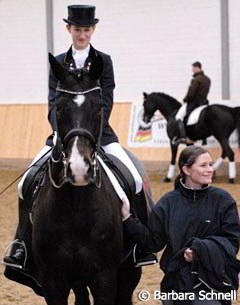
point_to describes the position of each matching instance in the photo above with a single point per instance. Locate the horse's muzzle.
(145, 121)
(78, 173)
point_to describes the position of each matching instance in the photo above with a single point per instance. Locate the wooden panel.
(24, 129)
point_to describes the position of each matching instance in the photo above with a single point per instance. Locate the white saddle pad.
(194, 116)
(117, 187)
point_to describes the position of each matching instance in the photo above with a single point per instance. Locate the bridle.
(96, 177)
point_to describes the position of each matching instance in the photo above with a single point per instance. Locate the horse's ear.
(145, 95)
(96, 67)
(58, 71)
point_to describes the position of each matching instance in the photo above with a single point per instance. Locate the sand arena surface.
(12, 293)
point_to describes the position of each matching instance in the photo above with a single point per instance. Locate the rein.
(96, 178)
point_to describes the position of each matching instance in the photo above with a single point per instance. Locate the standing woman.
(197, 225)
(81, 24)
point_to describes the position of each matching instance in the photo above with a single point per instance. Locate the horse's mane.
(168, 97)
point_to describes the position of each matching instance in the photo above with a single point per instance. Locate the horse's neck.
(167, 106)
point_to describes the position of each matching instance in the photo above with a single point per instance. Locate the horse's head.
(78, 118)
(149, 107)
(166, 104)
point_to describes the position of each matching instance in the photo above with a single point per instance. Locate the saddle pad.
(121, 172)
(195, 114)
(116, 185)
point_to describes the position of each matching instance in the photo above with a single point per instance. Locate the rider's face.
(195, 70)
(81, 36)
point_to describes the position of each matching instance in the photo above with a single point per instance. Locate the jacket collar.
(193, 194)
(198, 73)
(69, 62)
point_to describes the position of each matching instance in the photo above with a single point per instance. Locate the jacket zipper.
(194, 196)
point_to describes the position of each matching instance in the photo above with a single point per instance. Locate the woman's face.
(200, 173)
(81, 36)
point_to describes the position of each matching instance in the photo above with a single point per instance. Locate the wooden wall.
(24, 129)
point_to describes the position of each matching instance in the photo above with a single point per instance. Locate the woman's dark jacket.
(106, 82)
(181, 219)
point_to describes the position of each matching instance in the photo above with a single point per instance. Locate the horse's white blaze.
(78, 166)
(79, 99)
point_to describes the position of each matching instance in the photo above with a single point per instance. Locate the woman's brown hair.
(187, 158)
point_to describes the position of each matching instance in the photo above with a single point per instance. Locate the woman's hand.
(189, 255)
(125, 209)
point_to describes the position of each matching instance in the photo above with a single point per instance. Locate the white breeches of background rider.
(181, 112)
(112, 148)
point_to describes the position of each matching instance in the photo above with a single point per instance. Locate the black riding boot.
(182, 138)
(16, 255)
(141, 257)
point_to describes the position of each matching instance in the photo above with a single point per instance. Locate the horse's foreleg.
(171, 169)
(218, 163)
(104, 287)
(228, 152)
(128, 279)
(81, 296)
(55, 292)
(232, 171)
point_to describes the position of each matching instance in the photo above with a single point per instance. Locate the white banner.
(156, 135)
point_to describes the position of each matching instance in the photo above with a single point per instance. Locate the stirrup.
(8, 251)
(148, 259)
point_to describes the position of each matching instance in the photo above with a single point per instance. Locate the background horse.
(215, 120)
(77, 236)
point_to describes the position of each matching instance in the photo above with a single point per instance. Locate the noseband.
(78, 132)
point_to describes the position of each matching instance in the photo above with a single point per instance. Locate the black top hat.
(81, 15)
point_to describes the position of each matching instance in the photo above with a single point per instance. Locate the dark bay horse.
(215, 120)
(77, 233)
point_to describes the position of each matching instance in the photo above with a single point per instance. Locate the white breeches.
(117, 150)
(112, 148)
(181, 112)
(42, 152)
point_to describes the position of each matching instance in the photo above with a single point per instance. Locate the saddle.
(124, 177)
(193, 117)
(121, 172)
(34, 178)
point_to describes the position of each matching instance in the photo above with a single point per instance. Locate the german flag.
(143, 135)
